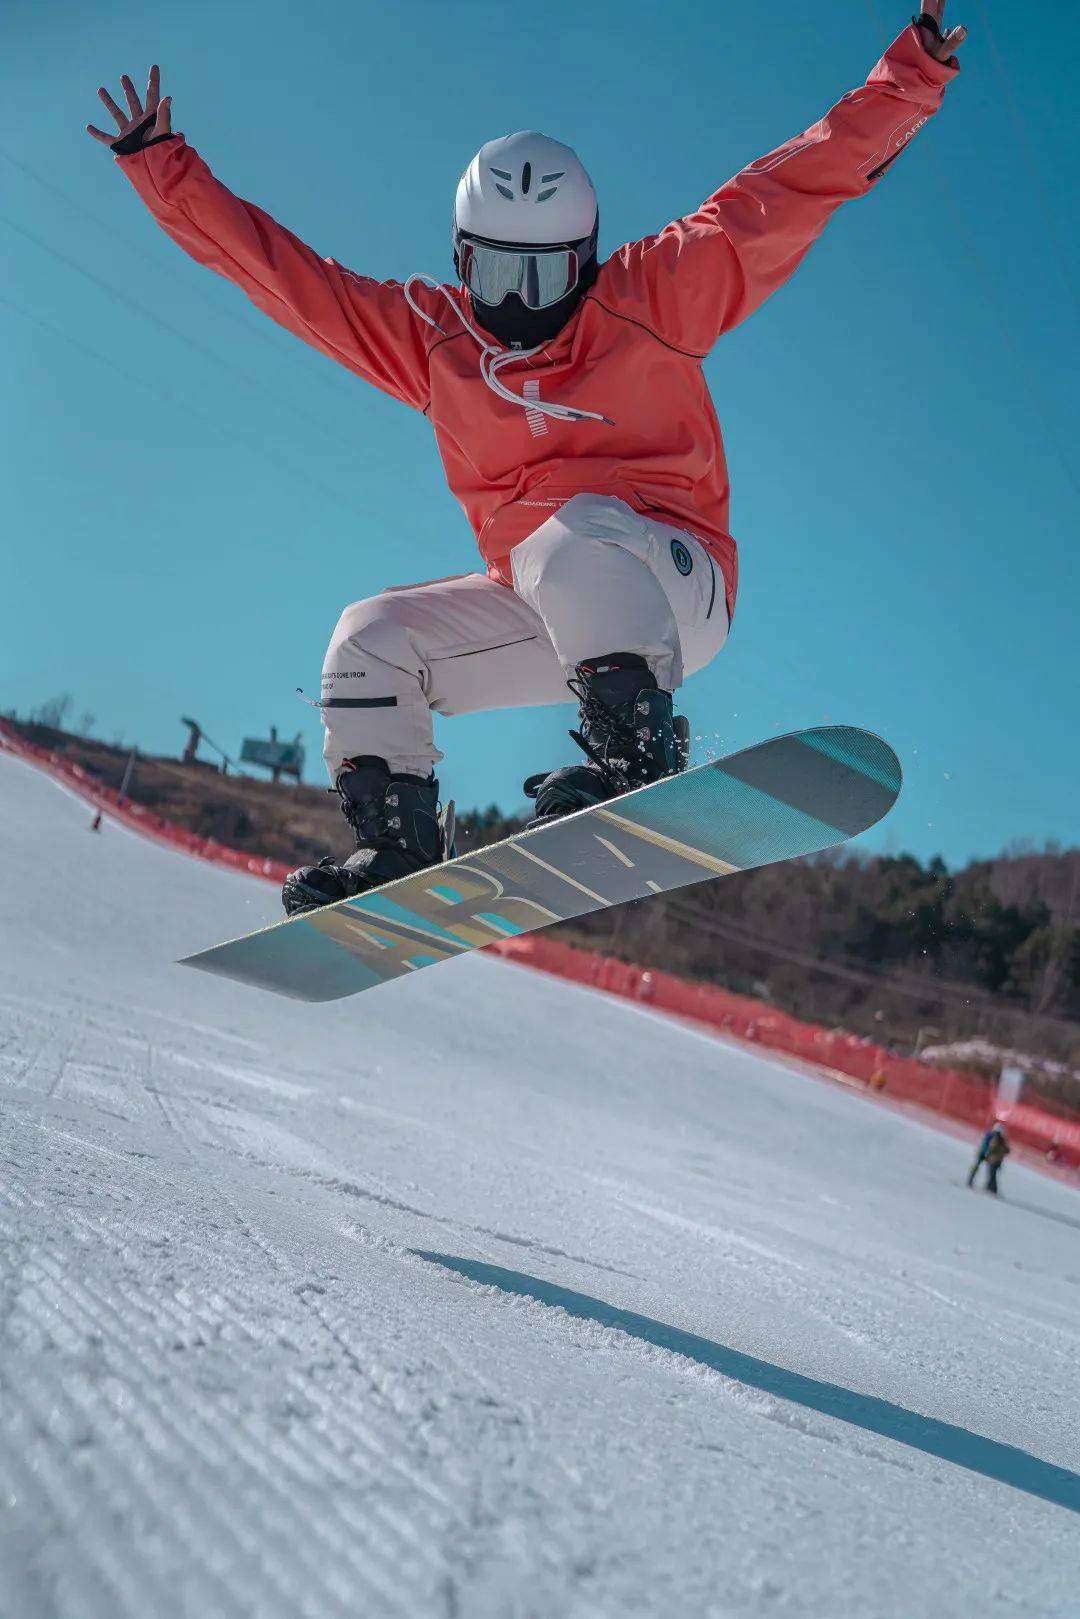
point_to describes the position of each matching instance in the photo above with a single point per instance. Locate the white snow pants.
(596, 578)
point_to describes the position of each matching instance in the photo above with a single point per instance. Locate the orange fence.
(963, 1097)
(957, 1096)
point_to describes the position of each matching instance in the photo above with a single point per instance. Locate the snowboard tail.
(795, 795)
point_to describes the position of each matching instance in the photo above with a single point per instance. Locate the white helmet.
(526, 188)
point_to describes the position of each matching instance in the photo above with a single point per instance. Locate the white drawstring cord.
(427, 281)
(493, 358)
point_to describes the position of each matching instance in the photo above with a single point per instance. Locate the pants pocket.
(695, 588)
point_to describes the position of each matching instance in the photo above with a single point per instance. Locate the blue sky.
(190, 495)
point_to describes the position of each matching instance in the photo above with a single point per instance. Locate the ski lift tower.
(196, 735)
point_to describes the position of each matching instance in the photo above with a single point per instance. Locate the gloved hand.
(939, 45)
(140, 126)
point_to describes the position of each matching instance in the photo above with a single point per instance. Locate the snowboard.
(795, 795)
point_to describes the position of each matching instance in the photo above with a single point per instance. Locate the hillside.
(911, 954)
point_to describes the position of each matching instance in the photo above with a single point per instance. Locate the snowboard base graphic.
(792, 796)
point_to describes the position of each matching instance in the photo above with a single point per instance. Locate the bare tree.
(53, 711)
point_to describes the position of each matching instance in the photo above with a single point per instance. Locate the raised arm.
(707, 272)
(364, 324)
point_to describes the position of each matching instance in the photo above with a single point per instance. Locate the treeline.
(910, 954)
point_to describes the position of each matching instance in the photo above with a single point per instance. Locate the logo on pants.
(681, 557)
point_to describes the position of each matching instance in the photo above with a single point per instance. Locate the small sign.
(1010, 1085)
(285, 758)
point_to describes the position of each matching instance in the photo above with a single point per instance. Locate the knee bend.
(593, 526)
(556, 557)
(372, 628)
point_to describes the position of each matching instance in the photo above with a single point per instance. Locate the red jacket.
(633, 350)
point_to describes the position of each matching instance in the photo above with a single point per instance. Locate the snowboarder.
(575, 428)
(993, 1151)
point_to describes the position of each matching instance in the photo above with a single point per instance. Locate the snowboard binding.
(399, 829)
(628, 730)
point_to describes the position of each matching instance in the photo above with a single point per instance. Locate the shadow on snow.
(1004, 1463)
(1046, 1214)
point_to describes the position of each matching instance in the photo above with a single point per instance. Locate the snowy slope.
(484, 1295)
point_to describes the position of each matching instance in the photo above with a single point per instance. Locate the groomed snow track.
(485, 1295)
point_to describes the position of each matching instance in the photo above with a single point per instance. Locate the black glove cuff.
(139, 137)
(924, 20)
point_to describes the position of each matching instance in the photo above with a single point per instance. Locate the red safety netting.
(963, 1097)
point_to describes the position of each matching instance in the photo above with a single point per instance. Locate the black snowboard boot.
(398, 831)
(628, 730)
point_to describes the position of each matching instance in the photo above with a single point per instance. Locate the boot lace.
(620, 739)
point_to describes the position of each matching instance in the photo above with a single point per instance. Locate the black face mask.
(516, 326)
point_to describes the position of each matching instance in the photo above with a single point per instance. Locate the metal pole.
(129, 771)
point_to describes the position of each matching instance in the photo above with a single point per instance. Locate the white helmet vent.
(547, 181)
(500, 191)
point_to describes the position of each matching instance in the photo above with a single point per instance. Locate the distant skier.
(993, 1151)
(581, 440)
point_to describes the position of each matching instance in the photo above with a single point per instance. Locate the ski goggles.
(539, 276)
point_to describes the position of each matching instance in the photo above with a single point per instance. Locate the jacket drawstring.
(493, 358)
